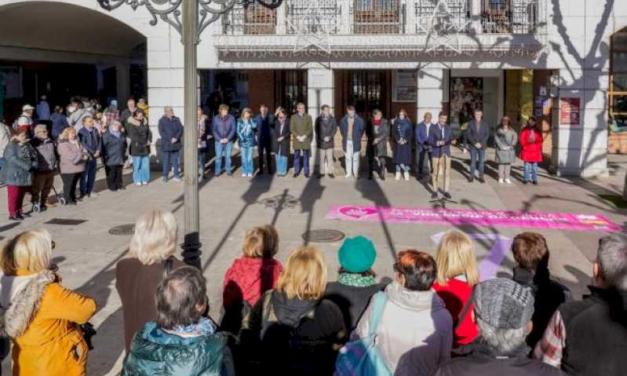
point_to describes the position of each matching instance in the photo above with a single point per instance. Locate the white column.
(475, 14)
(319, 92)
(430, 91)
(346, 22)
(281, 18)
(410, 16)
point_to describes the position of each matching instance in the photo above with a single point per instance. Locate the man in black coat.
(265, 124)
(326, 128)
(477, 136)
(503, 311)
(171, 132)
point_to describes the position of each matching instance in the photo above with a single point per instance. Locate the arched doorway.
(617, 95)
(63, 50)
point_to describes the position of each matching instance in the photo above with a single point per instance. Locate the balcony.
(396, 26)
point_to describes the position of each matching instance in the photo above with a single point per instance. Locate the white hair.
(154, 239)
(612, 259)
(503, 341)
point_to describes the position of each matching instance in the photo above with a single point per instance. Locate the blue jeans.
(223, 150)
(202, 161)
(298, 154)
(89, 177)
(403, 167)
(170, 159)
(141, 169)
(477, 156)
(281, 164)
(531, 171)
(246, 155)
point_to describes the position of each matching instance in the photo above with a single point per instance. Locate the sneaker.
(144, 183)
(138, 184)
(471, 179)
(535, 182)
(14, 218)
(447, 195)
(93, 194)
(434, 195)
(347, 176)
(178, 180)
(501, 181)
(406, 176)
(508, 181)
(332, 176)
(397, 176)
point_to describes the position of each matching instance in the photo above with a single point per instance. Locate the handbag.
(362, 357)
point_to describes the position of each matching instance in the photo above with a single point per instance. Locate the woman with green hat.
(356, 281)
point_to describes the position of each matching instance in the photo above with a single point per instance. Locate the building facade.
(563, 61)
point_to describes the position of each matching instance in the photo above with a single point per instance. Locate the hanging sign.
(570, 111)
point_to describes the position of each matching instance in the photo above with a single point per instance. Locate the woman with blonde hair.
(298, 331)
(41, 316)
(151, 256)
(246, 128)
(72, 159)
(456, 277)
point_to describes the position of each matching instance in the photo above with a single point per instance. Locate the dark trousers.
(69, 186)
(88, 178)
(114, 177)
(265, 147)
(15, 198)
(304, 154)
(423, 152)
(42, 184)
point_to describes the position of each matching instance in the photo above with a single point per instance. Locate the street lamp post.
(190, 18)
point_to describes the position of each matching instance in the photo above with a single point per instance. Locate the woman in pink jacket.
(72, 157)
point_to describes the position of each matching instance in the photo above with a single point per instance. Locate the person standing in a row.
(20, 162)
(72, 158)
(440, 139)
(531, 150)
(301, 126)
(352, 128)
(92, 142)
(506, 140)
(46, 166)
(402, 130)
(477, 135)
(378, 135)
(205, 142)
(265, 123)
(246, 127)
(139, 132)
(114, 153)
(423, 149)
(224, 128)
(326, 128)
(171, 132)
(281, 142)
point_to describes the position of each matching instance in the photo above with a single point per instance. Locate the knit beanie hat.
(357, 255)
(503, 303)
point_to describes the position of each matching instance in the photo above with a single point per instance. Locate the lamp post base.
(191, 250)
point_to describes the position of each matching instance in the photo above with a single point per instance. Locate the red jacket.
(530, 151)
(455, 295)
(248, 278)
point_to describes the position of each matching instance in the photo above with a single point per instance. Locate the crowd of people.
(41, 143)
(433, 316)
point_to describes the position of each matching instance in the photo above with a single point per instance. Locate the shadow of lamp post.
(190, 18)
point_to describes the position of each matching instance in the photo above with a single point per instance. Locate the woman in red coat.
(531, 150)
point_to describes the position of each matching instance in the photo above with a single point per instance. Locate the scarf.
(376, 122)
(356, 279)
(204, 327)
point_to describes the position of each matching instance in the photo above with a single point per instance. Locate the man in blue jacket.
(352, 129)
(440, 139)
(92, 141)
(265, 123)
(423, 150)
(477, 135)
(171, 132)
(224, 128)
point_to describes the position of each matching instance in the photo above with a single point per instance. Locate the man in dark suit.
(440, 138)
(265, 123)
(477, 136)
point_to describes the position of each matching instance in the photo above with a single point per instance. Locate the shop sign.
(570, 111)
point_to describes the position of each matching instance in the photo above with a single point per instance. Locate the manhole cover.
(280, 201)
(324, 236)
(65, 221)
(122, 230)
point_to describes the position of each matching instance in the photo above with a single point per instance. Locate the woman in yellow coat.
(40, 316)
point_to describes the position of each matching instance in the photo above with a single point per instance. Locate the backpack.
(362, 357)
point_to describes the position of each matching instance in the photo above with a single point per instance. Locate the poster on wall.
(466, 94)
(404, 86)
(570, 111)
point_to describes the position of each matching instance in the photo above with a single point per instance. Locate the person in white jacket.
(415, 332)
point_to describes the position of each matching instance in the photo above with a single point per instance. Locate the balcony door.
(377, 16)
(508, 16)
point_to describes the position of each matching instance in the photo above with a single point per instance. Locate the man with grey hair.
(589, 337)
(503, 311)
(171, 132)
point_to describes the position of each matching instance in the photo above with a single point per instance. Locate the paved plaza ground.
(87, 253)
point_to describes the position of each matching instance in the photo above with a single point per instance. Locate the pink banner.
(496, 218)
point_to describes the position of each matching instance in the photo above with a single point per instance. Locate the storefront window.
(618, 82)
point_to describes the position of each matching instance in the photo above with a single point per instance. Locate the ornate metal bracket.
(169, 11)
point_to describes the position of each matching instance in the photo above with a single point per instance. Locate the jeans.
(88, 178)
(223, 150)
(298, 154)
(246, 155)
(441, 177)
(265, 147)
(171, 159)
(403, 167)
(202, 161)
(141, 169)
(351, 160)
(531, 171)
(281, 164)
(423, 152)
(477, 156)
(326, 161)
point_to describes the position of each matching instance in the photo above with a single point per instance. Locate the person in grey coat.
(114, 150)
(17, 174)
(378, 133)
(326, 128)
(506, 140)
(477, 135)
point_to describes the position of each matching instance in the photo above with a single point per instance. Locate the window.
(290, 88)
(618, 81)
(509, 16)
(377, 16)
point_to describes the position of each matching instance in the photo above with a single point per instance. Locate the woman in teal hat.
(356, 281)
